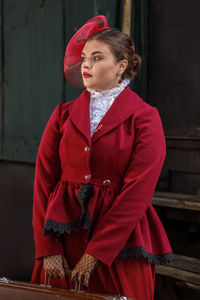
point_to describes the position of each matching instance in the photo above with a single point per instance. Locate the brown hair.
(122, 47)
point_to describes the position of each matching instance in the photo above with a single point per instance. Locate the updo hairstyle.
(122, 47)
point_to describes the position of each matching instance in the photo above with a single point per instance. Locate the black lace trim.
(52, 227)
(140, 251)
(86, 191)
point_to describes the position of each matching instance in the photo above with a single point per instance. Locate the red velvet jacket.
(122, 161)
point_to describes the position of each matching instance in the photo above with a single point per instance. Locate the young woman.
(97, 167)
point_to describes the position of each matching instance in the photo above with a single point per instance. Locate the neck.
(99, 91)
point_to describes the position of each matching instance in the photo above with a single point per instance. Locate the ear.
(123, 64)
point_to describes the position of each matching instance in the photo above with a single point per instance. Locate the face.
(99, 69)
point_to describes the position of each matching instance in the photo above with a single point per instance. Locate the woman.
(97, 167)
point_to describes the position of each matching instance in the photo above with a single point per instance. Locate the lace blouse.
(101, 102)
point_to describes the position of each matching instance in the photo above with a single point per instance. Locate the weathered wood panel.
(178, 274)
(33, 77)
(186, 263)
(181, 171)
(35, 36)
(188, 202)
(174, 64)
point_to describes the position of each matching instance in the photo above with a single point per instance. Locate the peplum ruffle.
(71, 205)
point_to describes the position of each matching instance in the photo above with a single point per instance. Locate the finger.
(86, 279)
(44, 267)
(49, 273)
(74, 276)
(80, 275)
(54, 273)
(83, 282)
(65, 264)
(61, 274)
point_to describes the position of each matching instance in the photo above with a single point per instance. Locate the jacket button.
(107, 182)
(87, 149)
(87, 177)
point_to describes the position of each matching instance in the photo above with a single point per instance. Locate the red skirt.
(130, 277)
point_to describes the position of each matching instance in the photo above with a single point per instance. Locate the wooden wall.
(173, 87)
(33, 37)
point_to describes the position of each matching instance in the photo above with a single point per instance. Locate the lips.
(86, 75)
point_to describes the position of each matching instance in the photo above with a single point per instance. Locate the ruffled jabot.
(101, 102)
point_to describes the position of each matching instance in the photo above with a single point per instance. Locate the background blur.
(33, 38)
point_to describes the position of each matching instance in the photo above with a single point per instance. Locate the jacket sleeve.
(47, 172)
(139, 183)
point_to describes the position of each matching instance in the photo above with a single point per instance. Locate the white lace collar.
(114, 92)
(101, 102)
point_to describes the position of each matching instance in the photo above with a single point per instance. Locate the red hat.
(72, 59)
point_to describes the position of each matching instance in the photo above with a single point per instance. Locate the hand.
(55, 266)
(82, 271)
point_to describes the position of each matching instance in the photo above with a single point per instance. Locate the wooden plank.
(33, 73)
(186, 263)
(126, 24)
(181, 201)
(178, 274)
(188, 197)
(192, 286)
(181, 138)
(184, 268)
(176, 203)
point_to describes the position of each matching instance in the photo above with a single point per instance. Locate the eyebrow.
(95, 52)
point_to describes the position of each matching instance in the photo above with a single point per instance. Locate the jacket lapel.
(80, 114)
(122, 108)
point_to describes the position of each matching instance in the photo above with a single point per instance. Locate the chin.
(91, 85)
(87, 85)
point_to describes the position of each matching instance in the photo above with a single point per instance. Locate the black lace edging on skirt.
(140, 251)
(52, 227)
(58, 229)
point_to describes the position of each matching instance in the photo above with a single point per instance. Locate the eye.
(97, 58)
(82, 58)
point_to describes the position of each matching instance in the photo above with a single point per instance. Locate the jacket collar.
(122, 108)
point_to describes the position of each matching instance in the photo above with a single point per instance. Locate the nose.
(86, 64)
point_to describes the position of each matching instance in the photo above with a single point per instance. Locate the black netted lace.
(140, 251)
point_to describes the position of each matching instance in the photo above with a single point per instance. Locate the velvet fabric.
(122, 162)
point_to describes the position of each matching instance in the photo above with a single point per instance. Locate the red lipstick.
(86, 75)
